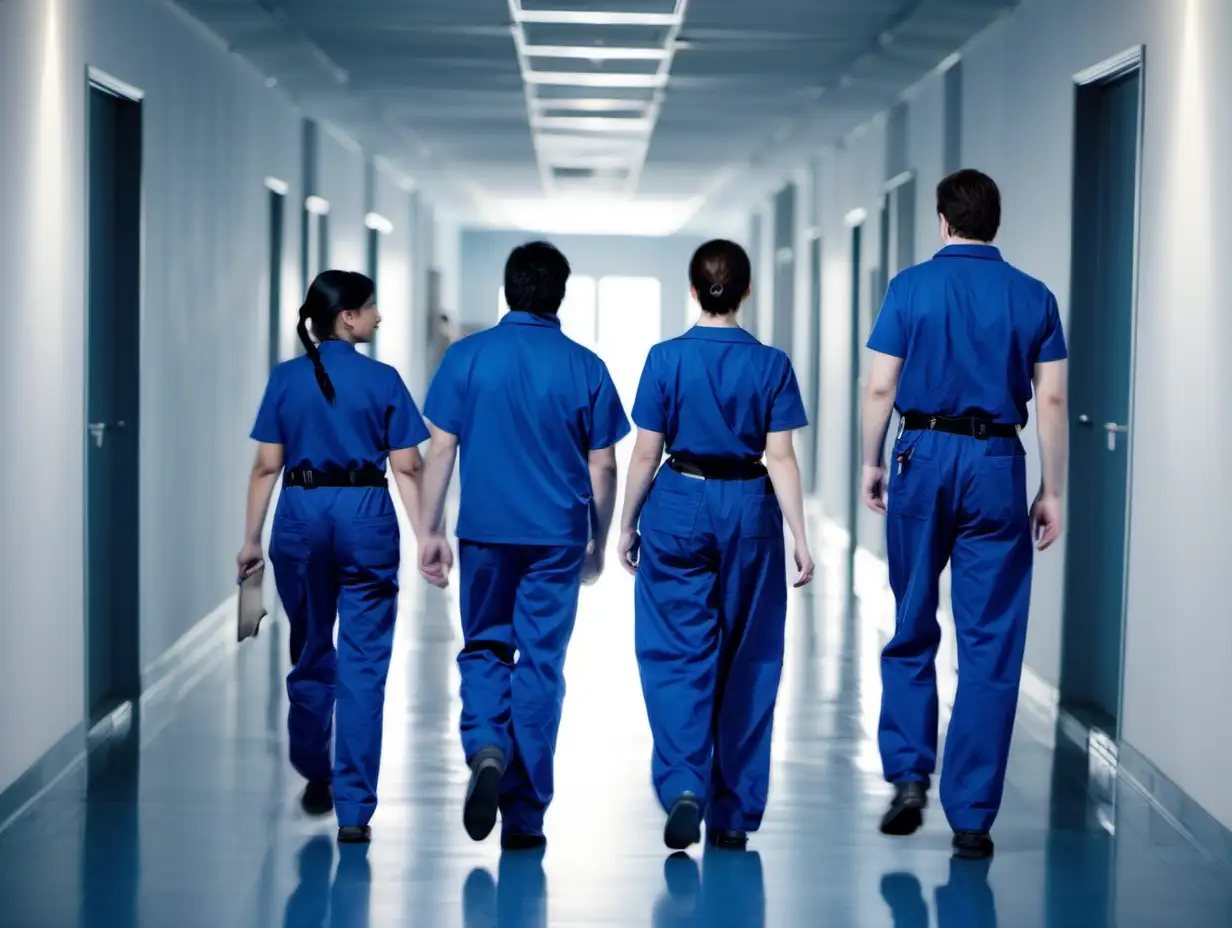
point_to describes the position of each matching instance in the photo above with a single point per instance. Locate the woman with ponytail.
(329, 422)
(711, 590)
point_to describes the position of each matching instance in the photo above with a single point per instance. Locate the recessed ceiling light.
(595, 18)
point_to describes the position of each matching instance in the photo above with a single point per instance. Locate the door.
(113, 671)
(813, 474)
(1101, 383)
(374, 264)
(277, 219)
(854, 435)
(784, 295)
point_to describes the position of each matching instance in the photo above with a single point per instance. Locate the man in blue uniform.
(958, 344)
(536, 418)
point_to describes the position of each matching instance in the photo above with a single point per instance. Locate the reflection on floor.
(195, 822)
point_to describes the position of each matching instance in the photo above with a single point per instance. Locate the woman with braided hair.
(329, 422)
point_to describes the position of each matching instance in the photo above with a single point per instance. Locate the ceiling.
(603, 114)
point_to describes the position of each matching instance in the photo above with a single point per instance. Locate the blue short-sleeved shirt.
(527, 405)
(372, 413)
(970, 329)
(717, 392)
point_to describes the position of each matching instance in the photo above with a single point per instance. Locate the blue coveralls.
(970, 329)
(711, 592)
(335, 553)
(527, 405)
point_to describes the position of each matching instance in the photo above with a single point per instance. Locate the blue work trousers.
(519, 603)
(960, 500)
(711, 611)
(335, 554)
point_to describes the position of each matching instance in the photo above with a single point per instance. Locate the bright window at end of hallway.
(630, 323)
(695, 310)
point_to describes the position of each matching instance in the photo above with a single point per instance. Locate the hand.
(435, 559)
(627, 549)
(249, 560)
(1045, 520)
(872, 488)
(804, 564)
(592, 567)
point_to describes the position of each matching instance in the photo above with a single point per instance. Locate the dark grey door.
(1101, 348)
(853, 435)
(277, 222)
(813, 471)
(113, 383)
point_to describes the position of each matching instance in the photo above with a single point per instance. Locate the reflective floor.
(195, 823)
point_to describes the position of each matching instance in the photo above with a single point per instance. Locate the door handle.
(1113, 429)
(1084, 419)
(98, 430)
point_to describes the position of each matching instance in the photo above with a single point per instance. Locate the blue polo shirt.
(717, 392)
(970, 329)
(527, 405)
(372, 413)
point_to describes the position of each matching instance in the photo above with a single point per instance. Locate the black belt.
(310, 479)
(717, 468)
(966, 425)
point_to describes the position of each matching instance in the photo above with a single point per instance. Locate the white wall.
(1018, 125)
(212, 133)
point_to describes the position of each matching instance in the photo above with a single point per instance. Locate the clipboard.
(251, 608)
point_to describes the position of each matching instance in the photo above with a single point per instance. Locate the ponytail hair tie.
(716, 289)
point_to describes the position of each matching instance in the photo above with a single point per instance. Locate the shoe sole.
(973, 853)
(904, 822)
(360, 837)
(482, 801)
(684, 824)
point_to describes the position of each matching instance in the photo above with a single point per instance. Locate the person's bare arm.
(438, 471)
(647, 455)
(785, 477)
(878, 406)
(407, 467)
(266, 466)
(1052, 424)
(602, 464)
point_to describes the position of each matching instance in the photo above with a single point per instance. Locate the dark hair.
(720, 273)
(332, 292)
(535, 278)
(971, 205)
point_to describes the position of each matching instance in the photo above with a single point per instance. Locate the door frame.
(855, 222)
(1105, 72)
(96, 78)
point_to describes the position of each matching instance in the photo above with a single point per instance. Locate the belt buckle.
(932, 423)
(309, 478)
(981, 430)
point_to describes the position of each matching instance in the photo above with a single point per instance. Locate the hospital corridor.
(201, 199)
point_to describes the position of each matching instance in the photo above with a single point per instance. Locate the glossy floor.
(196, 823)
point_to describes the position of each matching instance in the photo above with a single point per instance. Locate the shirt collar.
(717, 333)
(987, 252)
(517, 317)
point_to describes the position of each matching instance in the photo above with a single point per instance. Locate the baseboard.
(162, 681)
(1176, 806)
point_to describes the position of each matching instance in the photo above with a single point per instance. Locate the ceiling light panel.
(583, 61)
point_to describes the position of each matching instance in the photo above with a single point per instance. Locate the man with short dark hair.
(536, 418)
(957, 346)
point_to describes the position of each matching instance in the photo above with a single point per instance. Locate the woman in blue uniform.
(333, 417)
(711, 595)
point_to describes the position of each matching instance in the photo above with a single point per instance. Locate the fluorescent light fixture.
(595, 18)
(592, 215)
(378, 223)
(318, 206)
(278, 186)
(617, 124)
(594, 52)
(591, 104)
(587, 79)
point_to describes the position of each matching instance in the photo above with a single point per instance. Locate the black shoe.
(318, 798)
(972, 845)
(483, 793)
(354, 834)
(729, 839)
(684, 823)
(519, 842)
(906, 812)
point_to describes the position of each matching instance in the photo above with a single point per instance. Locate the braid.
(314, 354)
